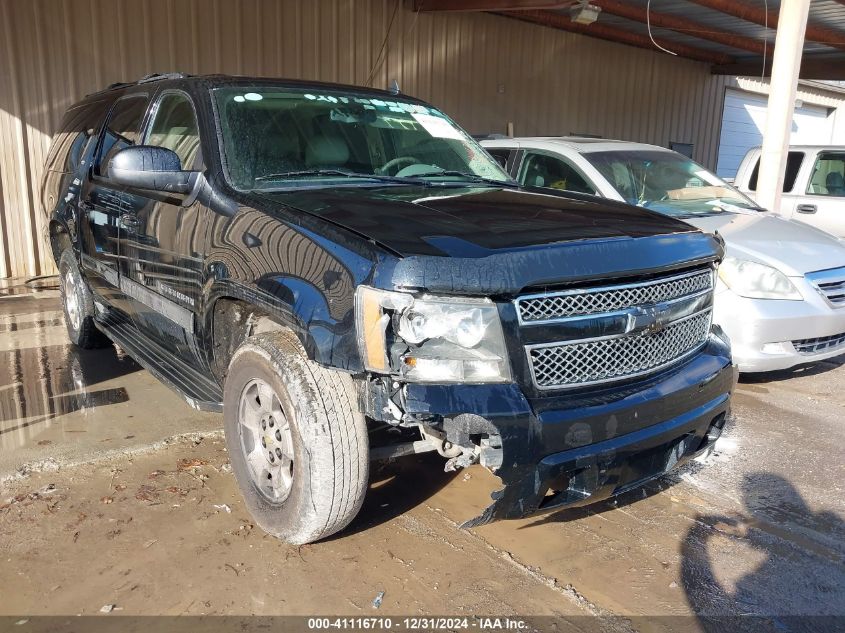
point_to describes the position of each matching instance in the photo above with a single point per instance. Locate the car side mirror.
(151, 168)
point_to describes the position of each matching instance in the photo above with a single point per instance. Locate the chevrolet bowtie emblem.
(647, 320)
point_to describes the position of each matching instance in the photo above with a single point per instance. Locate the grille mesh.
(562, 365)
(822, 344)
(562, 305)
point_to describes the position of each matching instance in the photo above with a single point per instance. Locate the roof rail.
(143, 80)
(160, 76)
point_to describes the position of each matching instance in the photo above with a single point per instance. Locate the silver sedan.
(781, 289)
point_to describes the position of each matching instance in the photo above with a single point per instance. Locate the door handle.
(806, 208)
(129, 221)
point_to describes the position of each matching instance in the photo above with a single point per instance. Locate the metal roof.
(731, 35)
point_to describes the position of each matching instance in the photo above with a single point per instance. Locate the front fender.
(295, 305)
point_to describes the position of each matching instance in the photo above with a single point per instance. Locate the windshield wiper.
(338, 172)
(470, 177)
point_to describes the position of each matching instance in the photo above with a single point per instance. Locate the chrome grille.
(821, 344)
(571, 303)
(830, 284)
(581, 363)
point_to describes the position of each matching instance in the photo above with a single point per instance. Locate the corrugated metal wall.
(484, 70)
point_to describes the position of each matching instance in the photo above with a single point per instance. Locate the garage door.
(744, 119)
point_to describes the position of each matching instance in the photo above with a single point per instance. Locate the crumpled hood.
(473, 221)
(792, 247)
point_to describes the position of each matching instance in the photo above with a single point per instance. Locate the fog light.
(776, 348)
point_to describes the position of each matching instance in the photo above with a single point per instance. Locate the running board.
(200, 391)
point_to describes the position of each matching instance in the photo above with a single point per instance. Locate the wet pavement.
(60, 405)
(111, 475)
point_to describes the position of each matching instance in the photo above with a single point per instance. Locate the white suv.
(814, 187)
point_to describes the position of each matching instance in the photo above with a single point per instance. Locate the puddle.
(42, 377)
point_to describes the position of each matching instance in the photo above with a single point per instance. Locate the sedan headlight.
(431, 339)
(757, 281)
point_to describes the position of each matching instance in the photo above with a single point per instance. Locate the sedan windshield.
(278, 137)
(668, 183)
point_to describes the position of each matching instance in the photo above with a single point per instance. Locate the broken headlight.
(431, 339)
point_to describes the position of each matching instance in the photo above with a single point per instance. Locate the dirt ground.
(116, 493)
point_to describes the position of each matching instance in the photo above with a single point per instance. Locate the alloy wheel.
(266, 440)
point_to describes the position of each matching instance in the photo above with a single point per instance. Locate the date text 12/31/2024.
(418, 623)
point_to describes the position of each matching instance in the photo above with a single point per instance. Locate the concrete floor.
(110, 477)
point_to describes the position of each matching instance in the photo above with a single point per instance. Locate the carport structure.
(488, 63)
(736, 37)
(724, 33)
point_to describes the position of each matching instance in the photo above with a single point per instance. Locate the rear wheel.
(78, 305)
(296, 439)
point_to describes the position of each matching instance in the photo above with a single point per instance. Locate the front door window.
(542, 170)
(175, 127)
(828, 177)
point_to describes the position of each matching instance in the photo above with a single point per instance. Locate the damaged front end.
(569, 395)
(571, 451)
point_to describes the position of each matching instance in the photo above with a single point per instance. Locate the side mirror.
(151, 168)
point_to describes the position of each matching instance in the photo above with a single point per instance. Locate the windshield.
(668, 183)
(278, 137)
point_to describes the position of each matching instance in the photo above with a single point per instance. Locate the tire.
(308, 416)
(78, 305)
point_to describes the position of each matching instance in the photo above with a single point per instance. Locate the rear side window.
(78, 127)
(828, 177)
(175, 127)
(122, 129)
(793, 164)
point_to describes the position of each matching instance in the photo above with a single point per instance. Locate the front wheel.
(296, 439)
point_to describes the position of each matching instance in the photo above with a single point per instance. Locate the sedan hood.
(472, 221)
(792, 247)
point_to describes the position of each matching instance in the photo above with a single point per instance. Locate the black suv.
(348, 276)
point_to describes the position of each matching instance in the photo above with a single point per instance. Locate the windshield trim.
(509, 182)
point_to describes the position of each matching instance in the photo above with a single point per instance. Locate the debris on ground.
(378, 600)
(107, 500)
(107, 608)
(146, 493)
(225, 507)
(35, 495)
(188, 463)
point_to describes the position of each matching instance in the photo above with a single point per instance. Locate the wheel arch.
(233, 313)
(59, 238)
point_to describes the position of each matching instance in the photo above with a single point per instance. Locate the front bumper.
(763, 331)
(571, 450)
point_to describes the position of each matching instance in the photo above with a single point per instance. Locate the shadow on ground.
(397, 487)
(810, 369)
(800, 583)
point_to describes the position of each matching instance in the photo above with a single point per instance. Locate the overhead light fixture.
(584, 12)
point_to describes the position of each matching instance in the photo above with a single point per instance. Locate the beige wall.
(484, 70)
